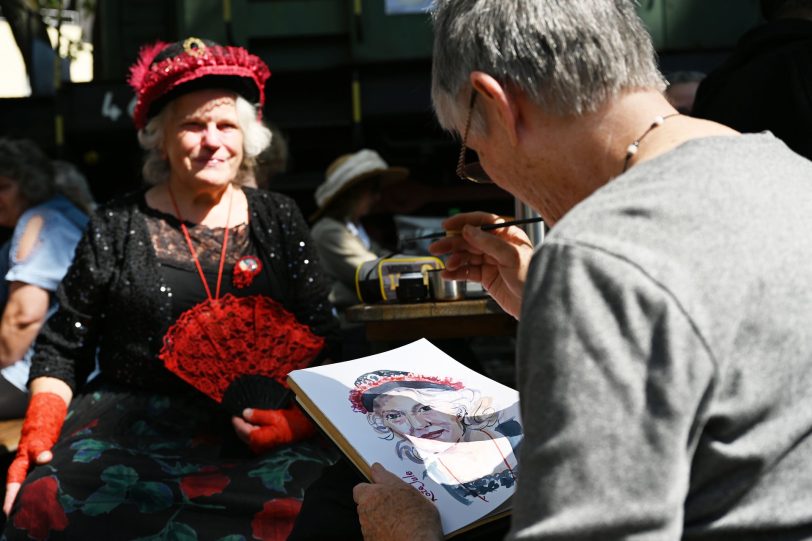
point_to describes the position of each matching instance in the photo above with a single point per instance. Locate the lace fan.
(239, 350)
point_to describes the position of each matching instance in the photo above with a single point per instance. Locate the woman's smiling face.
(203, 141)
(406, 413)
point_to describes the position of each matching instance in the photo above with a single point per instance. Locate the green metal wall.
(690, 25)
(345, 75)
(316, 34)
(311, 34)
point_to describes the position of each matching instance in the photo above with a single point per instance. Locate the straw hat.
(349, 170)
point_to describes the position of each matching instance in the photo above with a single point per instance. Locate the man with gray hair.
(664, 346)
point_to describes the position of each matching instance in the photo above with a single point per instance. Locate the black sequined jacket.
(113, 297)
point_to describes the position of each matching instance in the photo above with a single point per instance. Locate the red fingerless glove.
(41, 428)
(278, 427)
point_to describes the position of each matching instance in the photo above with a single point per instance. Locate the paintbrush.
(486, 227)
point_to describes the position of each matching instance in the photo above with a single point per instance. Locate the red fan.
(220, 342)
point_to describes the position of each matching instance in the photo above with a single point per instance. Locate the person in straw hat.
(350, 189)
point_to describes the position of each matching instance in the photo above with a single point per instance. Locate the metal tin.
(445, 290)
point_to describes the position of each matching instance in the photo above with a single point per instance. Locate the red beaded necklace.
(192, 248)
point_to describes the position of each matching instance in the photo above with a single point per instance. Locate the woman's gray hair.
(71, 183)
(568, 56)
(256, 137)
(23, 162)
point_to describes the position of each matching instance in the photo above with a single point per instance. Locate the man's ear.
(503, 103)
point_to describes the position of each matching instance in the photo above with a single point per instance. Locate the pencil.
(486, 227)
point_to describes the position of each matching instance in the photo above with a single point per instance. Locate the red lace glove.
(277, 427)
(41, 428)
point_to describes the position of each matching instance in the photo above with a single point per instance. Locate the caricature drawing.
(451, 430)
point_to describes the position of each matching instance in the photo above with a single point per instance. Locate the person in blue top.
(46, 226)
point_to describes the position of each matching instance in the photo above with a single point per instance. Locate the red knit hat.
(166, 71)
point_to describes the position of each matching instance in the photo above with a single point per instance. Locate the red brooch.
(245, 270)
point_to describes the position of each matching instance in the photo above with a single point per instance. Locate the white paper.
(453, 426)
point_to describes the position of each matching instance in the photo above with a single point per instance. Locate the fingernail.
(248, 412)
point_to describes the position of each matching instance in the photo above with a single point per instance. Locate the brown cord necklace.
(632, 149)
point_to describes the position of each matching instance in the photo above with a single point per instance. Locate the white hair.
(256, 138)
(568, 56)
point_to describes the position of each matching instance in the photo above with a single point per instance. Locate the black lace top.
(177, 267)
(115, 296)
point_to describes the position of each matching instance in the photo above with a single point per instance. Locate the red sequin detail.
(151, 81)
(245, 270)
(217, 340)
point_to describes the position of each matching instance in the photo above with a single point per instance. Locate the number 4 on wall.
(110, 109)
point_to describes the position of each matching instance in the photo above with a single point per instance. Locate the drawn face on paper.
(408, 413)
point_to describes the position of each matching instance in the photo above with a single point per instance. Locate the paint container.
(445, 290)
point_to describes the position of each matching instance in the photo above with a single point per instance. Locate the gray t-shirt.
(665, 353)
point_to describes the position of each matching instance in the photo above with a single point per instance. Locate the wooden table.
(453, 319)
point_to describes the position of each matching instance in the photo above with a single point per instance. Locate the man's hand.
(391, 510)
(498, 259)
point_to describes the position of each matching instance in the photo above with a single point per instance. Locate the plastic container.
(411, 288)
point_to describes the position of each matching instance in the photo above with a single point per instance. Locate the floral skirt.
(147, 466)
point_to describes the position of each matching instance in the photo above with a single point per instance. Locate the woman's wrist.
(41, 428)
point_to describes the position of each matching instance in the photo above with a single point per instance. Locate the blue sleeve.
(48, 261)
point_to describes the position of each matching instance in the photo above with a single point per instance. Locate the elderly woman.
(432, 420)
(47, 225)
(176, 290)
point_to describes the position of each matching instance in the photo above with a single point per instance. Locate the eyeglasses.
(472, 171)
